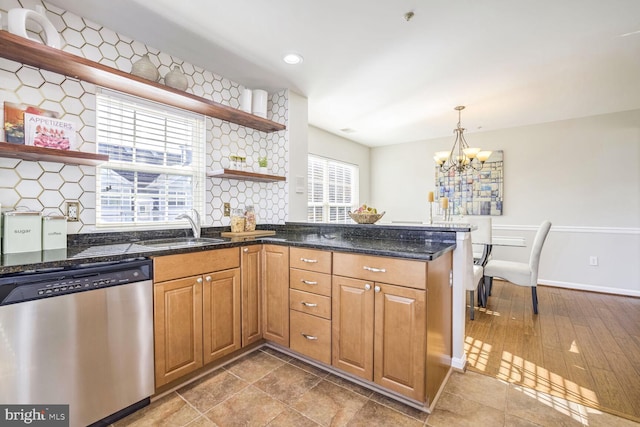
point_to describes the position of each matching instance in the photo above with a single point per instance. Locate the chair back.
(481, 238)
(482, 235)
(468, 266)
(536, 250)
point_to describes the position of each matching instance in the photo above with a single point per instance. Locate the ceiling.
(392, 80)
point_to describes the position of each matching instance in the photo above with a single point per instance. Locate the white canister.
(259, 103)
(54, 232)
(22, 232)
(245, 100)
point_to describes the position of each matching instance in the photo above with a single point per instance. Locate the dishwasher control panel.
(26, 287)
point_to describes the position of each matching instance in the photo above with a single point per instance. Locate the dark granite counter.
(411, 242)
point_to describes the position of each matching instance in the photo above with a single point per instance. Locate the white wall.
(325, 144)
(298, 148)
(582, 174)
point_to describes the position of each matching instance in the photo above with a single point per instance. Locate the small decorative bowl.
(363, 218)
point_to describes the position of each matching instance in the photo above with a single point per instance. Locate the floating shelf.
(39, 154)
(38, 55)
(244, 175)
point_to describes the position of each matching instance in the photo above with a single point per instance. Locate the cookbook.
(48, 132)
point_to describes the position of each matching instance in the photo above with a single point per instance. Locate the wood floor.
(582, 346)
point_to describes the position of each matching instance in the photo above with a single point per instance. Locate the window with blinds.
(156, 161)
(332, 190)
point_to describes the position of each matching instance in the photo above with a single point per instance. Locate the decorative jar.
(176, 79)
(144, 68)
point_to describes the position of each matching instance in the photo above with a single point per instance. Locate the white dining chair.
(473, 282)
(519, 273)
(481, 239)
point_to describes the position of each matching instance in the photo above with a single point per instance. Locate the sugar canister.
(22, 232)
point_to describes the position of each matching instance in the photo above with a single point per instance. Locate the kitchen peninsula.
(385, 290)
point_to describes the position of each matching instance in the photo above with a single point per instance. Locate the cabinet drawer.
(192, 264)
(310, 259)
(309, 303)
(381, 269)
(311, 336)
(310, 281)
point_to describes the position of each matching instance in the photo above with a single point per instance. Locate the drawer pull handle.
(309, 304)
(309, 337)
(310, 261)
(375, 270)
(308, 282)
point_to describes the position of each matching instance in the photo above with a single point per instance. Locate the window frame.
(196, 169)
(326, 205)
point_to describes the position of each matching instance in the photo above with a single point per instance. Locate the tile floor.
(268, 388)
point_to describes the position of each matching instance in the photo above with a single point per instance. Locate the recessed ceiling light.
(292, 58)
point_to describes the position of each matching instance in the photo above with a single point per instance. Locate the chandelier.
(461, 157)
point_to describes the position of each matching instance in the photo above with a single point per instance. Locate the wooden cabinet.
(399, 339)
(310, 303)
(275, 294)
(352, 326)
(221, 314)
(177, 328)
(379, 329)
(196, 310)
(251, 266)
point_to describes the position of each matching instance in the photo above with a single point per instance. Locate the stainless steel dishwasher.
(82, 337)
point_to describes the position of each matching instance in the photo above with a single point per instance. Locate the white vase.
(259, 103)
(245, 100)
(144, 68)
(176, 79)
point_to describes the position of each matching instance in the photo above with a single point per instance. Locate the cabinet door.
(400, 339)
(221, 314)
(177, 323)
(275, 296)
(251, 294)
(352, 326)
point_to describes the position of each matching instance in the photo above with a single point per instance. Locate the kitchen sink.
(179, 242)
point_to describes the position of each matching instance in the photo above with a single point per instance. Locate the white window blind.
(156, 161)
(332, 190)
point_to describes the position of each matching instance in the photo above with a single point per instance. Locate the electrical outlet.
(593, 260)
(227, 209)
(73, 211)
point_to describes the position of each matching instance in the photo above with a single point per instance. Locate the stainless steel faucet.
(193, 220)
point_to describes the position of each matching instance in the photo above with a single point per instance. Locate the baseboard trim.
(589, 288)
(459, 364)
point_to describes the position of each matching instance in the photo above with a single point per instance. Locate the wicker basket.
(362, 218)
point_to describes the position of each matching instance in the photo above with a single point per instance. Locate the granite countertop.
(424, 243)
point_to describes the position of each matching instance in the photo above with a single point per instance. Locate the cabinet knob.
(367, 287)
(199, 280)
(376, 289)
(309, 337)
(208, 278)
(245, 250)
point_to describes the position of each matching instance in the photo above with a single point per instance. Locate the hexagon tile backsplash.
(46, 186)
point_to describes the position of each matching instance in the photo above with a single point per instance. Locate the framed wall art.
(474, 192)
